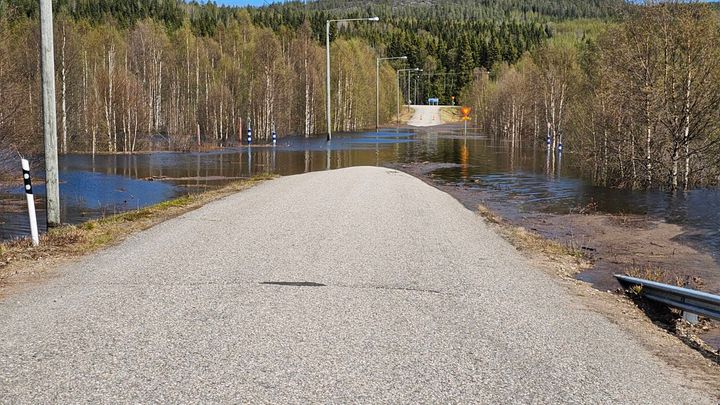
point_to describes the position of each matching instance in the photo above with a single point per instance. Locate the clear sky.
(243, 2)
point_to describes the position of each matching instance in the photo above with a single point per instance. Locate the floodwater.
(528, 178)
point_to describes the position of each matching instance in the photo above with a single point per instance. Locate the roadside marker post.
(30, 201)
(549, 141)
(249, 133)
(274, 136)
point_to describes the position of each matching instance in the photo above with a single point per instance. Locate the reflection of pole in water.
(250, 170)
(307, 160)
(240, 162)
(547, 163)
(512, 156)
(377, 154)
(197, 170)
(221, 156)
(327, 164)
(559, 163)
(274, 156)
(464, 160)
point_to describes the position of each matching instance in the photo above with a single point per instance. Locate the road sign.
(466, 116)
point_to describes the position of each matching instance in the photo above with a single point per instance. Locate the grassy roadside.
(450, 115)
(571, 257)
(652, 324)
(18, 258)
(406, 113)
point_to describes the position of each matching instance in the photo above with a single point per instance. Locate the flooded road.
(521, 180)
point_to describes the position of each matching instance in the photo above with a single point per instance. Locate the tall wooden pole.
(327, 82)
(47, 56)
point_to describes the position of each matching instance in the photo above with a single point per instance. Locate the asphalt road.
(421, 302)
(425, 116)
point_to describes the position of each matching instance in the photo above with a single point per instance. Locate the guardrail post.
(689, 316)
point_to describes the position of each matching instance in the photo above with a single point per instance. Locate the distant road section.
(425, 116)
(356, 285)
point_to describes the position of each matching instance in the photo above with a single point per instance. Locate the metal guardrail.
(691, 301)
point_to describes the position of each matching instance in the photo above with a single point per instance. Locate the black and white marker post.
(30, 201)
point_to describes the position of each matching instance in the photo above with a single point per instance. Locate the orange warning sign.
(466, 113)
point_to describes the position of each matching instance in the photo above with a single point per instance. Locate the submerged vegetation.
(638, 100)
(633, 89)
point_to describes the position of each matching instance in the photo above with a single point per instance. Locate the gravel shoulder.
(421, 301)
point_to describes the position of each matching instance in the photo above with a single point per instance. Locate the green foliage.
(143, 74)
(124, 12)
(450, 36)
(637, 101)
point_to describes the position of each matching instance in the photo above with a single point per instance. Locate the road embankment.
(588, 248)
(21, 263)
(326, 287)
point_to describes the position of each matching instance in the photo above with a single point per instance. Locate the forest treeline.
(638, 104)
(633, 91)
(138, 74)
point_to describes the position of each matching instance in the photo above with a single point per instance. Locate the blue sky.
(242, 2)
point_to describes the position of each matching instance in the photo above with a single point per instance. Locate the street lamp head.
(374, 19)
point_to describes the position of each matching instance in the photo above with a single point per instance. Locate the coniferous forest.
(631, 89)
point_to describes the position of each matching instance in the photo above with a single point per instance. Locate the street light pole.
(377, 87)
(328, 105)
(398, 89)
(415, 98)
(407, 88)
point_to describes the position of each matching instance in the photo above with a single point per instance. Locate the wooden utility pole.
(47, 56)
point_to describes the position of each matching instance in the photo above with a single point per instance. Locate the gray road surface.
(422, 303)
(425, 116)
